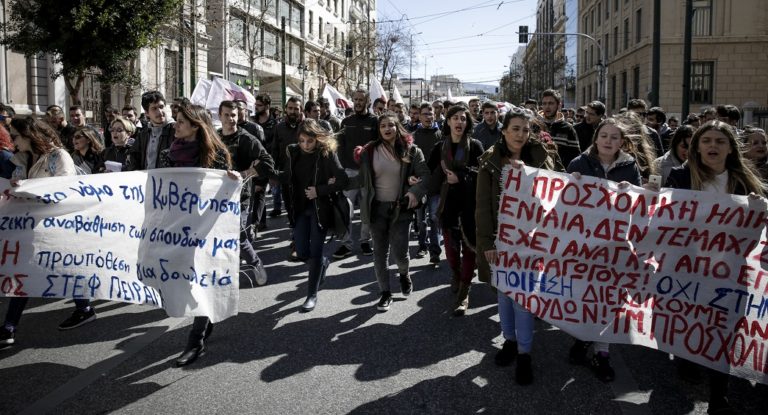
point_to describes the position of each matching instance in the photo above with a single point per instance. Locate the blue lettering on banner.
(49, 198)
(167, 273)
(108, 261)
(132, 291)
(79, 224)
(13, 223)
(175, 238)
(534, 281)
(224, 244)
(93, 191)
(186, 201)
(74, 286)
(133, 193)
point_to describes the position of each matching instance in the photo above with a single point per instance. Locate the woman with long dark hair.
(393, 177)
(87, 151)
(678, 151)
(454, 164)
(715, 164)
(314, 177)
(196, 144)
(39, 155)
(518, 145)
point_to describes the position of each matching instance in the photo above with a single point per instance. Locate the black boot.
(507, 354)
(190, 354)
(316, 269)
(524, 371)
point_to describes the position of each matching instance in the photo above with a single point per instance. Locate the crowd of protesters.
(403, 171)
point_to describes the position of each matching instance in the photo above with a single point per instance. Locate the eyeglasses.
(116, 130)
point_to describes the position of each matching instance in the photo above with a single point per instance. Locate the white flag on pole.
(377, 91)
(338, 103)
(396, 95)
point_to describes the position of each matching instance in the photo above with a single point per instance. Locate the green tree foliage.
(87, 34)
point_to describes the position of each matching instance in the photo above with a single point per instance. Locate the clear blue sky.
(470, 39)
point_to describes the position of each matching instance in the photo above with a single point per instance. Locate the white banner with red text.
(167, 238)
(680, 271)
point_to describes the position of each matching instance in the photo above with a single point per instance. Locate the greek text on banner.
(681, 271)
(168, 238)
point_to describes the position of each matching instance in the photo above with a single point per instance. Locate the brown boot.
(462, 300)
(455, 280)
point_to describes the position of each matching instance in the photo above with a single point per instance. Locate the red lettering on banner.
(514, 177)
(743, 217)
(9, 254)
(506, 205)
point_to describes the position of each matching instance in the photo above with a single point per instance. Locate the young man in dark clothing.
(356, 130)
(426, 137)
(585, 130)
(325, 114)
(286, 133)
(488, 131)
(245, 123)
(55, 117)
(267, 122)
(245, 150)
(639, 107)
(562, 133)
(145, 152)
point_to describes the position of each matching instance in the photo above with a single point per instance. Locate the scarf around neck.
(185, 153)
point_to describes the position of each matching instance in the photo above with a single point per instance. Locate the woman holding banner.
(196, 144)
(39, 155)
(715, 164)
(604, 159)
(6, 154)
(454, 163)
(314, 176)
(122, 130)
(519, 146)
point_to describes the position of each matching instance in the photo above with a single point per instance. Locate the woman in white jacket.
(39, 155)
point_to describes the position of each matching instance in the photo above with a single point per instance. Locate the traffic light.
(523, 32)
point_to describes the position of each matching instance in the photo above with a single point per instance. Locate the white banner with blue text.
(681, 271)
(167, 238)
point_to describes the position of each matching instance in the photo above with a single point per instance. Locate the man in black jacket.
(426, 137)
(586, 129)
(246, 150)
(145, 152)
(562, 133)
(356, 130)
(286, 133)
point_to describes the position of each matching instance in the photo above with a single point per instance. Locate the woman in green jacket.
(518, 146)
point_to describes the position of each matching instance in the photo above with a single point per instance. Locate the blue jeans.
(427, 225)
(309, 238)
(277, 197)
(247, 251)
(516, 323)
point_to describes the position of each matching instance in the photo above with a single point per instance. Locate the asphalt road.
(344, 357)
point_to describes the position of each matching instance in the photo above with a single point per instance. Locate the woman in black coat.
(315, 177)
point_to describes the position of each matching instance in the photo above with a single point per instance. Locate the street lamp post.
(303, 68)
(410, 72)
